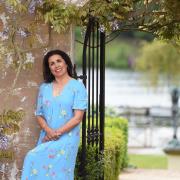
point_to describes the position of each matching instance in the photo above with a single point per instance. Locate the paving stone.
(149, 174)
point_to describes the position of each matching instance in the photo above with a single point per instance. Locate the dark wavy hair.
(48, 76)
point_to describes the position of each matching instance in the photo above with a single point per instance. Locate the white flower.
(4, 33)
(23, 99)
(4, 74)
(16, 91)
(76, 2)
(114, 25)
(31, 84)
(23, 32)
(50, 166)
(9, 60)
(29, 58)
(2, 49)
(39, 39)
(34, 171)
(101, 28)
(63, 113)
(45, 51)
(61, 152)
(3, 36)
(4, 19)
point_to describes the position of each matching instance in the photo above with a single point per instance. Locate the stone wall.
(25, 97)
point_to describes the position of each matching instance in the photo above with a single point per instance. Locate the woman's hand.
(50, 135)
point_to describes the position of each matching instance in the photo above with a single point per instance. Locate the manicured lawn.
(148, 161)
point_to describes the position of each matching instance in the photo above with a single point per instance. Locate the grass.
(148, 161)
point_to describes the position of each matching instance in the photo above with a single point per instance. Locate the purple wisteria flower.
(33, 5)
(114, 25)
(4, 34)
(102, 28)
(4, 142)
(23, 33)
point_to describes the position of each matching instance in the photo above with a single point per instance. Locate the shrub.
(93, 168)
(122, 125)
(115, 153)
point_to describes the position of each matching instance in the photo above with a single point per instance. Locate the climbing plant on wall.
(19, 36)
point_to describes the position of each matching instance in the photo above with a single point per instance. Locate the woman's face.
(57, 65)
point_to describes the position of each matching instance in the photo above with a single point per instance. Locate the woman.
(61, 103)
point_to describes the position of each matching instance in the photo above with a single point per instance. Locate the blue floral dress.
(55, 160)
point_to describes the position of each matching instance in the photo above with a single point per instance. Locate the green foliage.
(9, 121)
(159, 58)
(118, 54)
(115, 154)
(158, 18)
(21, 7)
(116, 57)
(93, 168)
(173, 15)
(121, 124)
(58, 14)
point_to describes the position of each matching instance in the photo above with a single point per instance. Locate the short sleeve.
(39, 103)
(80, 98)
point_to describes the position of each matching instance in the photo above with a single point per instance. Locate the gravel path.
(149, 174)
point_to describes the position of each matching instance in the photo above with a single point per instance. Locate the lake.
(126, 88)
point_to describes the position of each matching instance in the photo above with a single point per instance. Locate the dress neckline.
(60, 93)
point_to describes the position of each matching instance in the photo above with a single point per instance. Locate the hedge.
(115, 153)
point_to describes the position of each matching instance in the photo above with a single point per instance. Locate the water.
(126, 88)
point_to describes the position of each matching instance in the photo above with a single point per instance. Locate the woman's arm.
(50, 133)
(74, 121)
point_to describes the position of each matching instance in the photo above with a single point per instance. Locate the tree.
(159, 59)
(161, 18)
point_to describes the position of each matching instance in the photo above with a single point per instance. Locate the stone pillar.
(25, 98)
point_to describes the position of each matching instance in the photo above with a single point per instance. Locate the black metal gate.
(94, 80)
